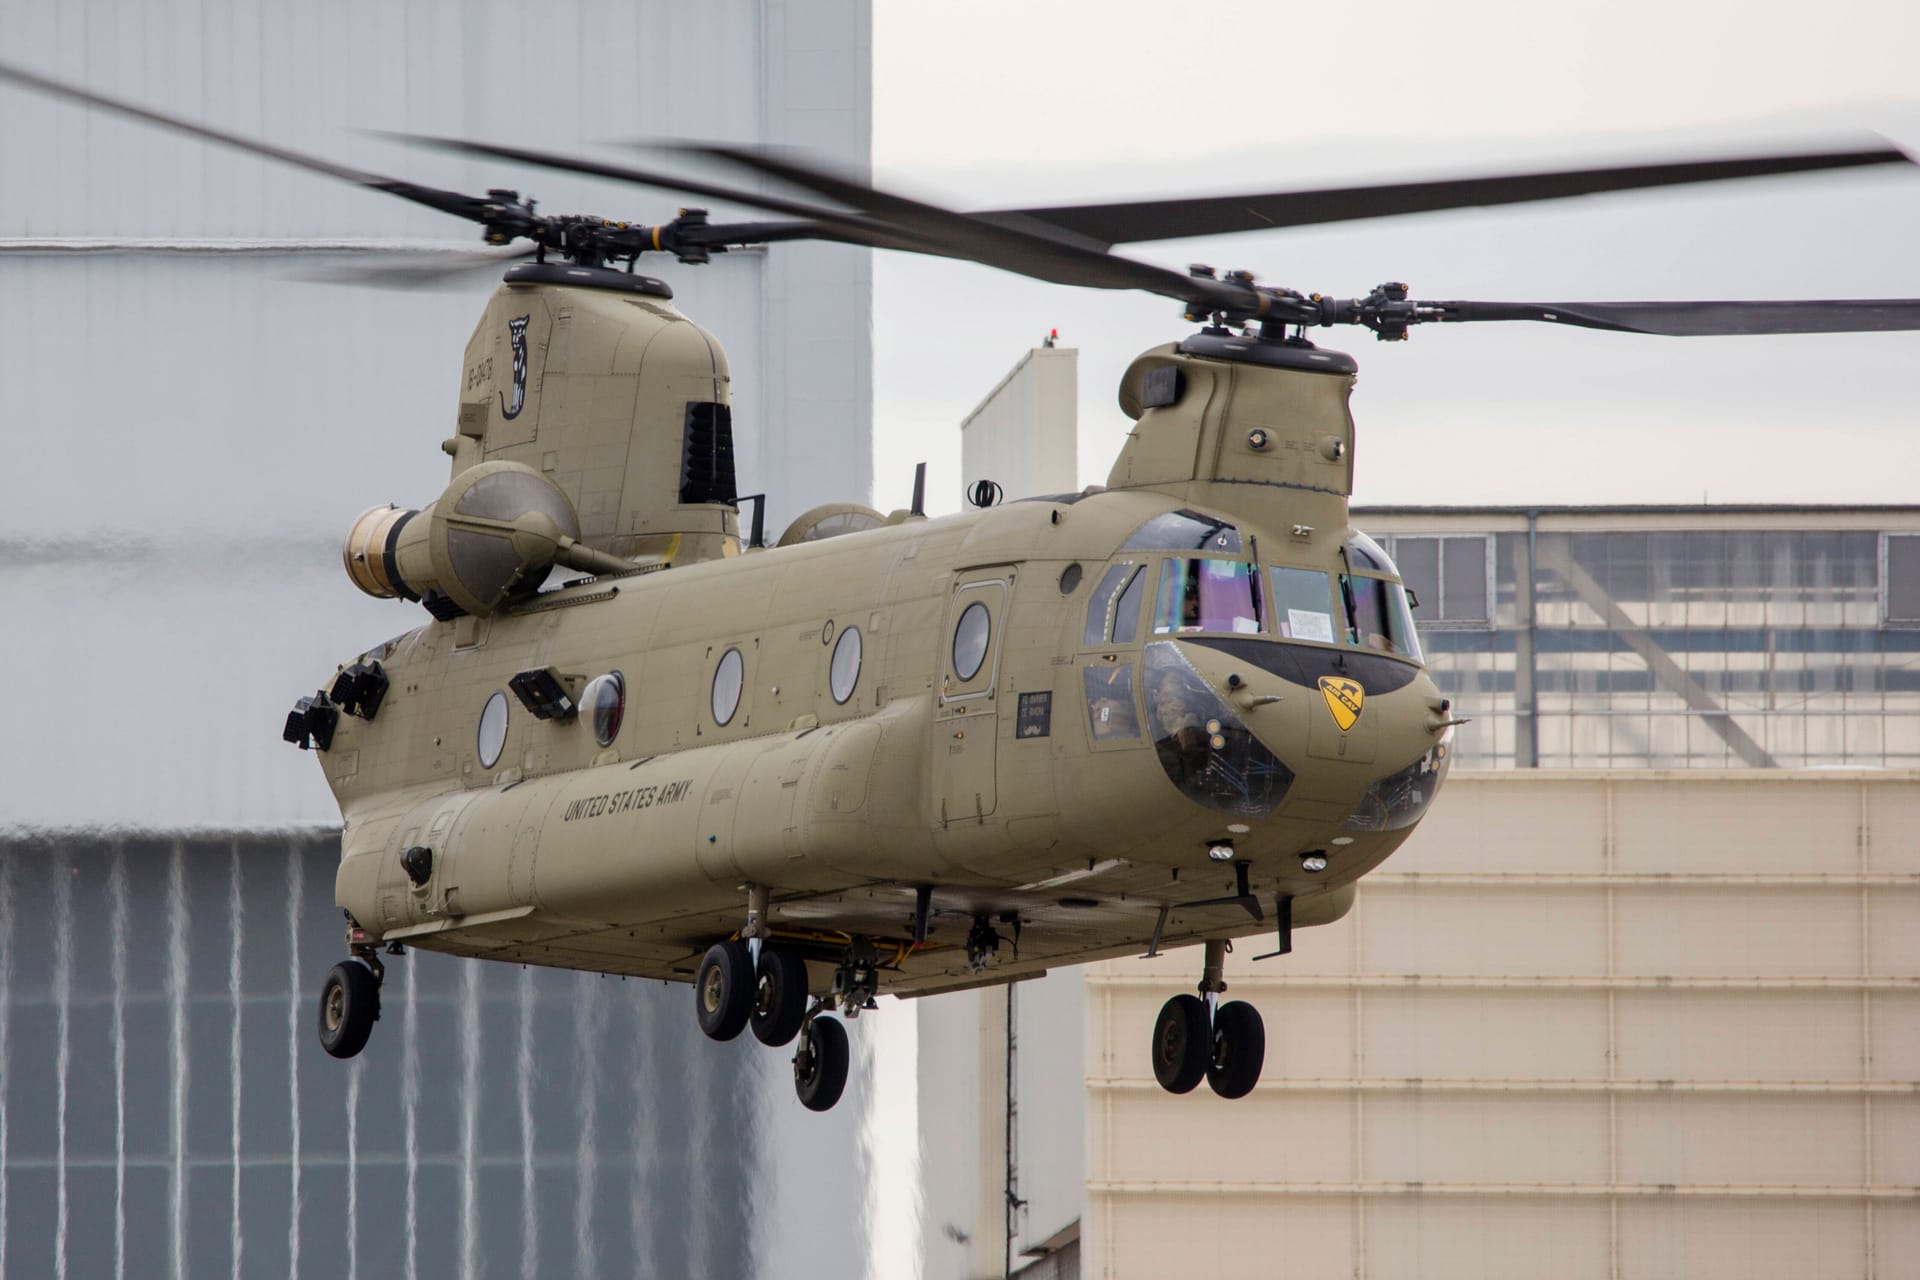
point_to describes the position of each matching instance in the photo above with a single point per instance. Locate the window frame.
(1438, 622)
(1884, 588)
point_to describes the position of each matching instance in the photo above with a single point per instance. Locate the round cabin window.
(845, 671)
(970, 640)
(727, 682)
(605, 702)
(492, 738)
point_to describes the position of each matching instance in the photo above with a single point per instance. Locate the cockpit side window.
(1113, 611)
(1378, 617)
(1185, 531)
(1208, 595)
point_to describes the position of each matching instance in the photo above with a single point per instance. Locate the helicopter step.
(1195, 1037)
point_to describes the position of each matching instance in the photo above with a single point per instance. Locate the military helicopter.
(890, 753)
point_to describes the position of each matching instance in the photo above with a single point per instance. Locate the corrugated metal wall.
(165, 1108)
(1582, 1026)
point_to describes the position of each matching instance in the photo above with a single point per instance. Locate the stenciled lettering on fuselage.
(611, 802)
(517, 335)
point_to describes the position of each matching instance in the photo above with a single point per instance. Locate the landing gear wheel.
(779, 996)
(349, 1006)
(723, 990)
(820, 1067)
(1182, 1044)
(1239, 1049)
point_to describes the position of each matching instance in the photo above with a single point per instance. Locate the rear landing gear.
(1197, 1038)
(349, 1006)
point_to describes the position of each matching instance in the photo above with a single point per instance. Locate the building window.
(1452, 577)
(1900, 579)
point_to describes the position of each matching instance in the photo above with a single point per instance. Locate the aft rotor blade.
(1046, 256)
(410, 269)
(473, 208)
(1701, 319)
(1141, 220)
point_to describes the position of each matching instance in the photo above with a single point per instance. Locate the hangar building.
(204, 423)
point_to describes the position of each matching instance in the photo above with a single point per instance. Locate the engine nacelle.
(489, 538)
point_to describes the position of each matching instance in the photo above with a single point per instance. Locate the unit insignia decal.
(1344, 699)
(517, 334)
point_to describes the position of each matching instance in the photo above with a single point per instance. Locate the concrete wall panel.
(1739, 1035)
(1722, 1140)
(1756, 826)
(1446, 931)
(1269, 1137)
(1680, 1239)
(1518, 828)
(1155, 1236)
(1486, 1138)
(1684, 932)
(1459, 1239)
(1485, 1035)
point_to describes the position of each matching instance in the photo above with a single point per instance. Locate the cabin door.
(967, 722)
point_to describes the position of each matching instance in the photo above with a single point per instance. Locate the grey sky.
(1001, 103)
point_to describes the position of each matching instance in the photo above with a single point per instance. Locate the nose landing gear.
(1197, 1038)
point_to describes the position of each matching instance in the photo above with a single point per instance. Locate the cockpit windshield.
(1208, 595)
(1185, 531)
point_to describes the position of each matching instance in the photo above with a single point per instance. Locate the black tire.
(1182, 1044)
(820, 1067)
(779, 996)
(349, 1006)
(723, 990)
(1239, 1049)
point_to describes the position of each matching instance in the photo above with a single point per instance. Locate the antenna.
(919, 507)
(757, 537)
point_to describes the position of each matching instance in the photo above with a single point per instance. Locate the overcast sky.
(997, 103)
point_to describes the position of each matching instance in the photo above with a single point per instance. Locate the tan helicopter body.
(631, 857)
(892, 753)
(1035, 791)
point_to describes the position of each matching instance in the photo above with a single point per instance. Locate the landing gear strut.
(1196, 1037)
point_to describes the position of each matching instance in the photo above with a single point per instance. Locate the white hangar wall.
(196, 426)
(1586, 1024)
(204, 422)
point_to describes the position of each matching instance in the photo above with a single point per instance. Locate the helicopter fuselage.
(1092, 721)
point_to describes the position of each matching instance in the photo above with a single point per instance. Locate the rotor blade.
(1049, 257)
(1141, 220)
(410, 269)
(814, 223)
(476, 209)
(1702, 319)
(620, 173)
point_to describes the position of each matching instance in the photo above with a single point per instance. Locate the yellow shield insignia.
(1344, 699)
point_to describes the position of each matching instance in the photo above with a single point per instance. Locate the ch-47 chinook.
(890, 753)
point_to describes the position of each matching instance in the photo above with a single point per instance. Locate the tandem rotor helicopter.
(889, 753)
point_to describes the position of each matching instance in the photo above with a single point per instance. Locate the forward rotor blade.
(1142, 220)
(1702, 319)
(475, 209)
(1046, 256)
